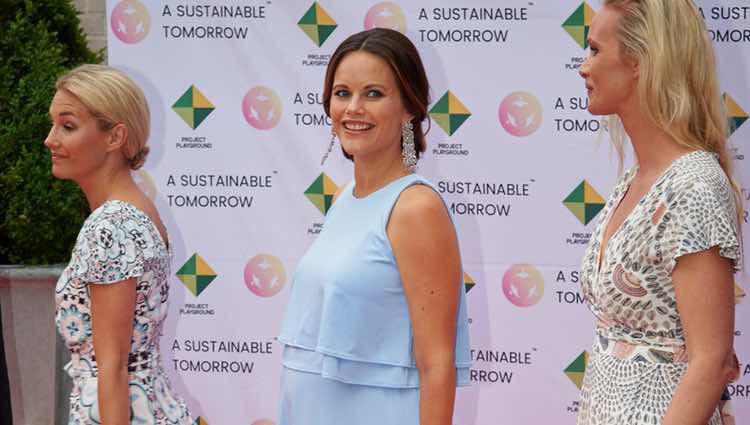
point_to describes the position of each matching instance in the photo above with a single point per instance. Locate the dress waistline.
(662, 355)
(624, 350)
(676, 354)
(358, 372)
(138, 362)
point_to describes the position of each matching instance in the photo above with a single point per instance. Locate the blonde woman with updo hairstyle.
(111, 299)
(658, 271)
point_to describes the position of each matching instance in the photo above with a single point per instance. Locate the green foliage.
(39, 215)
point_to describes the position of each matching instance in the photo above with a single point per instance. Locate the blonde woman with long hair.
(658, 272)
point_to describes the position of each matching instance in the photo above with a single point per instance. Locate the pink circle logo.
(523, 285)
(130, 21)
(386, 15)
(520, 113)
(265, 275)
(262, 108)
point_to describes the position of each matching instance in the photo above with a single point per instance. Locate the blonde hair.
(112, 98)
(678, 87)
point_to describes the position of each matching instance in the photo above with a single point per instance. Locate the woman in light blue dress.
(376, 328)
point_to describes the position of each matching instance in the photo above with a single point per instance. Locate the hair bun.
(139, 158)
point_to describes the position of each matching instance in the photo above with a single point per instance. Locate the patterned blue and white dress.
(119, 242)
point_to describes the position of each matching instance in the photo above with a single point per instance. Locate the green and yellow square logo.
(578, 24)
(577, 369)
(584, 202)
(468, 283)
(321, 192)
(196, 274)
(193, 107)
(449, 113)
(317, 24)
(735, 114)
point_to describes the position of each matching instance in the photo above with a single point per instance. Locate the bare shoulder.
(419, 204)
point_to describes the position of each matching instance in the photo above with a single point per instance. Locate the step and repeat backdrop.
(238, 132)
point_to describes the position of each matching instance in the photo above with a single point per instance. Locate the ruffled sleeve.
(704, 216)
(113, 246)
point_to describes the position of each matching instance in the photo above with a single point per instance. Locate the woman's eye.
(341, 93)
(374, 93)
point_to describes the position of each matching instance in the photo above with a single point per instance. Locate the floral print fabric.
(639, 354)
(118, 242)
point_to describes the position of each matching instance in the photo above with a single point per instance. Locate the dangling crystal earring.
(407, 145)
(330, 146)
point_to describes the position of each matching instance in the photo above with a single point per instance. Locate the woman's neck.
(653, 147)
(106, 185)
(371, 175)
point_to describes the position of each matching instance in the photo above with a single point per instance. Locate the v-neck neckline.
(601, 254)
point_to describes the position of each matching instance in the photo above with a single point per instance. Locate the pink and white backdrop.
(238, 132)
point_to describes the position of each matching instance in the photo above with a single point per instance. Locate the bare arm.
(112, 310)
(424, 243)
(704, 288)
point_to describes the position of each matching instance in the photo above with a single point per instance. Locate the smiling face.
(77, 144)
(611, 78)
(367, 108)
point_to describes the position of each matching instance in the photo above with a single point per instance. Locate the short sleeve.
(112, 248)
(703, 216)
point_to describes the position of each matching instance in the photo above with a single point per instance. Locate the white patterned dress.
(639, 354)
(118, 242)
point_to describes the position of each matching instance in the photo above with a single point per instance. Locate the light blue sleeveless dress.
(348, 343)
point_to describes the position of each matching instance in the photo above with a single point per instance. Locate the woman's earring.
(408, 152)
(330, 146)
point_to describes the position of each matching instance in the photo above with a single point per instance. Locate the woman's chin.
(595, 110)
(59, 173)
(349, 147)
